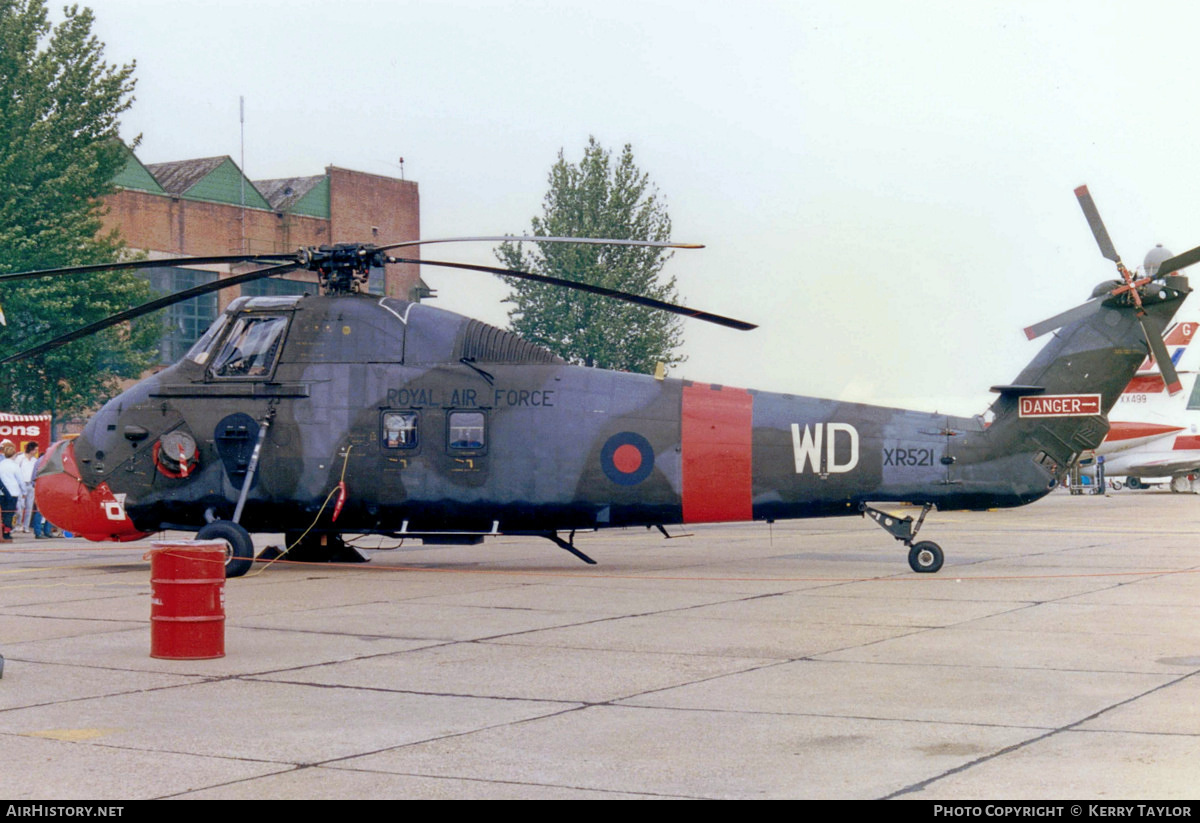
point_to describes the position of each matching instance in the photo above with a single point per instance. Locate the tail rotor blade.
(1161, 356)
(1179, 261)
(1098, 231)
(1080, 312)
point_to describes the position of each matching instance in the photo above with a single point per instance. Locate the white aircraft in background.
(1153, 436)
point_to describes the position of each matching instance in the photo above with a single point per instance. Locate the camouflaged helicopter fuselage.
(435, 423)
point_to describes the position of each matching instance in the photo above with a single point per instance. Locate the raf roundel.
(627, 458)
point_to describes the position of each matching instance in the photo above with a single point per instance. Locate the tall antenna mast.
(242, 166)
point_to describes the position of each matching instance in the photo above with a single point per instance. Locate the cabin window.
(466, 430)
(251, 347)
(400, 430)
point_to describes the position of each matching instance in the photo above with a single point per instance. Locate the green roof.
(298, 195)
(136, 176)
(219, 180)
(316, 202)
(215, 179)
(225, 184)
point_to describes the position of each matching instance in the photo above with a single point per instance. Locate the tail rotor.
(1128, 291)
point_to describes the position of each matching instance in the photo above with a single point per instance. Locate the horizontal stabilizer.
(1018, 391)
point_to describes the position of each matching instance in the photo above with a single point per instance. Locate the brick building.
(209, 207)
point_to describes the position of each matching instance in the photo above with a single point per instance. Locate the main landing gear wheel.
(1181, 484)
(239, 552)
(925, 557)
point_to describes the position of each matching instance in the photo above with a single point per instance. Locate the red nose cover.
(65, 501)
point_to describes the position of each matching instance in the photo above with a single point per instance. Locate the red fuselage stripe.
(1146, 384)
(716, 431)
(1120, 430)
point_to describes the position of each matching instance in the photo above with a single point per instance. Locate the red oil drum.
(187, 599)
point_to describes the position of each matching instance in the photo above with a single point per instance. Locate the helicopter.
(346, 413)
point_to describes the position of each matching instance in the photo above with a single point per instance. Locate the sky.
(885, 188)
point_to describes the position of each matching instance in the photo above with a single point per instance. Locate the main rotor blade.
(1080, 312)
(149, 264)
(1179, 261)
(592, 241)
(1161, 356)
(280, 259)
(1098, 231)
(740, 325)
(146, 308)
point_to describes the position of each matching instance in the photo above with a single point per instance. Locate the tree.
(597, 198)
(59, 152)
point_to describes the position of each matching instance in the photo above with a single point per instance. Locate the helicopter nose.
(64, 499)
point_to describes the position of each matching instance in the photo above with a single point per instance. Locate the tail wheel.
(239, 551)
(926, 557)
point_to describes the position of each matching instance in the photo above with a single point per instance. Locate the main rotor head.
(344, 268)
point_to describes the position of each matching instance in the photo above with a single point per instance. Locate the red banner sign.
(22, 428)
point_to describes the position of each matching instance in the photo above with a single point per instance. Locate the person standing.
(25, 506)
(10, 487)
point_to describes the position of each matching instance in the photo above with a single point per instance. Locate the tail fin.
(1059, 403)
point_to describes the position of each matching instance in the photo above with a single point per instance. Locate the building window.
(183, 323)
(275, 287)
(376, 278)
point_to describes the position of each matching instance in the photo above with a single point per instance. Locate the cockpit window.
(251, 347)
(199, 351)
